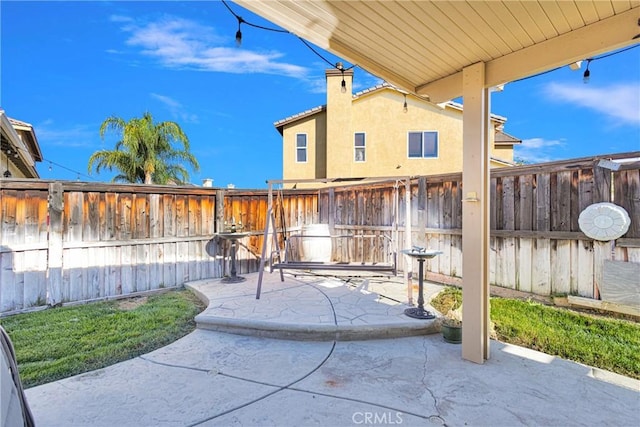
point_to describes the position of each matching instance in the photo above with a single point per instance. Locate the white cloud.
(619, 102)
(185, 44)
(175, 108)
(74, 136)
(120, 18)
(537, 150)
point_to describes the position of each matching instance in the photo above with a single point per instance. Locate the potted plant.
(452, 326)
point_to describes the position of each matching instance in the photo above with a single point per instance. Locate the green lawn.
(61, 342)
(606, 343)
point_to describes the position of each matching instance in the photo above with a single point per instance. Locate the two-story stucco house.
(19, 149)
(379, 132)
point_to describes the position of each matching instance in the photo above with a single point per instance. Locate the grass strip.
(606, 343)
(61, 342)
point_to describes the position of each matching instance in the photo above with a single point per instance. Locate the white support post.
(475, 215)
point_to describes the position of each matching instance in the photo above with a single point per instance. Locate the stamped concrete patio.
(237, 369)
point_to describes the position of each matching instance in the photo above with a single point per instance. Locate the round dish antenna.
(604, 221)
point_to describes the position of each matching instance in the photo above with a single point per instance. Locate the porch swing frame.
(284, 263)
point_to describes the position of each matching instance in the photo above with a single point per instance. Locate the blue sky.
(66, 66)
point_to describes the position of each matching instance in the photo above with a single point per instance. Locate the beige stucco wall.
(386, 126)
(340, 122)
(380, 116)
(315, 129)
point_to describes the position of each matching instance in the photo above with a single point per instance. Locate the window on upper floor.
(301, 148)
(423, 144)
(359, 147)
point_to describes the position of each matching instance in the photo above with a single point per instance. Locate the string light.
(77, 173)
(343, 87)
(404, 107)
(239, 32)
(242, 21)
(587, 73)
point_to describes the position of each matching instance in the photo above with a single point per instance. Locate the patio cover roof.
(446, 49)
(423, 46)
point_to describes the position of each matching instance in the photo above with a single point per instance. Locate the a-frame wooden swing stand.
(277, 261)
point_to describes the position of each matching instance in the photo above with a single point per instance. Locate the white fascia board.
(15, 140)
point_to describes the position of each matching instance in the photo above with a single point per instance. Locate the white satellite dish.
(604, 221)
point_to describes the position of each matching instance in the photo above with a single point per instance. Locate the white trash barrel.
(315, 243)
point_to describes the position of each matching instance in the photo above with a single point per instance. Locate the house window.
(359, 147)
(301, 148)
(423, 144)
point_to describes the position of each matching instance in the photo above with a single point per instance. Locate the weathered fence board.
(68, 241)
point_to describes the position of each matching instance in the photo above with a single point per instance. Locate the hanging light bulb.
(404, 107)
(343, 84)
(50, 167)
(587, 73)
(239, 32)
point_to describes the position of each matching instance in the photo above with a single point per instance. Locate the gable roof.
(299, 116)
(503, 138)
(280, 124)
(20, 138)
(28, 137)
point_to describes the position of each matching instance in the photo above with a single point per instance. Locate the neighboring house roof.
(501, 161)
(291, 119)
(280, 124)
(28, 137)
(20, 138)
(503, 138)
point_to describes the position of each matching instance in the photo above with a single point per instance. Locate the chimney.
(339, 132)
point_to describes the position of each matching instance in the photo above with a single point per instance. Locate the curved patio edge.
(316, 332)
(291, 328)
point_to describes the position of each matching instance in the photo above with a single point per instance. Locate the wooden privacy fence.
(536, 243)
(64, 242)
(70, 241)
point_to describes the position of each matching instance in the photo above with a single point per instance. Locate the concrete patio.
(319, 376)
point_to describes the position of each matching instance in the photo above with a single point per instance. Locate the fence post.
(219, 211)
(54, 263)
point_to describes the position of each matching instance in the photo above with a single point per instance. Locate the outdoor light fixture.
(7, 174)
(404, 107)
(587, 73)
(239, 32)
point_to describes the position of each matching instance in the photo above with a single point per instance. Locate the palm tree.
(145, 153)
